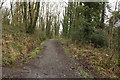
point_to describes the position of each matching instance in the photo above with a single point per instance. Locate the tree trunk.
(118, 46)
(25, 15)
(102, 16)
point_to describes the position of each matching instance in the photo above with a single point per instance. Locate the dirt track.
(52, 62)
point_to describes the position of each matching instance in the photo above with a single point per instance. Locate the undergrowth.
(16, 44)
(98, 61)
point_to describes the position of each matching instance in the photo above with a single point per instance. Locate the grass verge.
(96, 61)
(17, 45)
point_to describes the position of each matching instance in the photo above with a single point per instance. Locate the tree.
(31, 18)
(65, 24)
(119, 46)
(5, 18)
(119, 36)
(80, 19)
(25, 15)
(1, 4)
(48, 18)
(102, 25)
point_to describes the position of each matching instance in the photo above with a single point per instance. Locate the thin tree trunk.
(30, 19)
(103, 16)
(36, 16)
(25, 15)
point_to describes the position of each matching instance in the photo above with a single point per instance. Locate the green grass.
(9, 60)
(34, 52)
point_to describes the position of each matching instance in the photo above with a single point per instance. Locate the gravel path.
(52, 62)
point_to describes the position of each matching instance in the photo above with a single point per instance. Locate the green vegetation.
(96, 61)
(84, 25)
(34, 52)
(17, 44)
(99, 39)
(82, 29)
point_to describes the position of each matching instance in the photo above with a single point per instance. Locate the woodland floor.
(53, 62)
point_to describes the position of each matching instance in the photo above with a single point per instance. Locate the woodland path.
(52, 62)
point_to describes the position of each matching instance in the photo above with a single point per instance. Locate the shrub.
(99, 39)
(83, 32)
